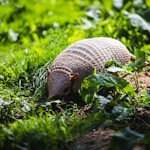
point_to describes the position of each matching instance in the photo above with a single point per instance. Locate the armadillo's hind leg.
(133, 58)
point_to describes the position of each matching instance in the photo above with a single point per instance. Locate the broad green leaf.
(120, 112)
(118, 3)
(144, 13)
(107, 80)
(91, 85)
(113, 63)
(86, 24)
(130, 90)
(125, 140)
(138, 21)
(146, 48)
(148, 3)
(125, 112)
(94, 12)
(115, 69)
(102, 101)
(107, 4)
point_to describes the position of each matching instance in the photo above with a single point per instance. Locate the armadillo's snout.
(53, 97)
(65, 92)
(49, 96)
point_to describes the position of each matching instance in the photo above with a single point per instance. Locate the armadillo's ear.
(75, 76)
(48, 71)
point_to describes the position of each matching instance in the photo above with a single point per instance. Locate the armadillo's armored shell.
(83, 56)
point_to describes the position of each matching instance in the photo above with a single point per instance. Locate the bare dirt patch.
(96, 140)
(139, 79)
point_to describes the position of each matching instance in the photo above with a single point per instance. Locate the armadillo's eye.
(66, 90)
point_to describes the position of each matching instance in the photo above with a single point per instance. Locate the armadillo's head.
(59, 82)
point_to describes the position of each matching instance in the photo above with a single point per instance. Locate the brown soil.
(96, 140)
(139, 80)
(100, 139)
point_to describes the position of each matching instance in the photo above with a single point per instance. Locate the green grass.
(43, 29)
(42, 132)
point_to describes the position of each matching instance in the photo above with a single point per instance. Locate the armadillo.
(78, 61)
